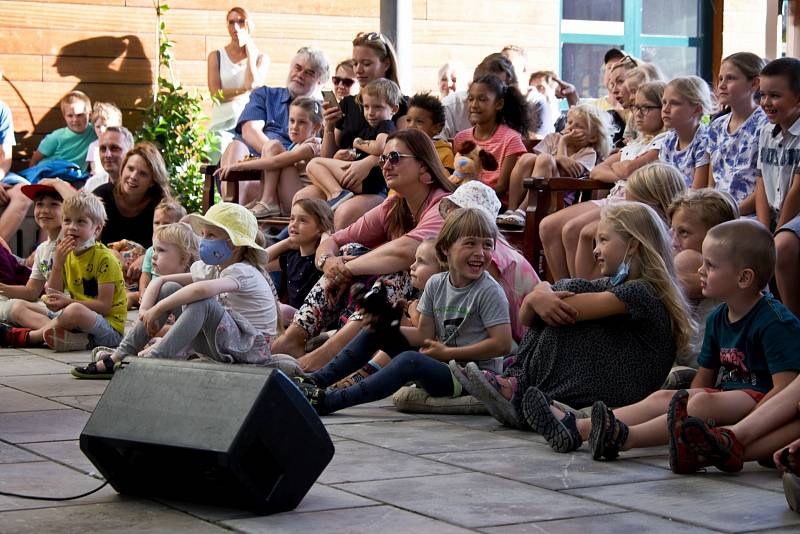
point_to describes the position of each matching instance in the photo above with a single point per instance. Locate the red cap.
(31, 191)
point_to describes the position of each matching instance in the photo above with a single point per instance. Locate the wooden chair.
(231, 193)
(545, 196)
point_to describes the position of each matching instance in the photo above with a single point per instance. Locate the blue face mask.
(622, 271)
(215, 251)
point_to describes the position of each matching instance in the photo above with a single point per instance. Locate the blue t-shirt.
(687, 160)
(66, 144)
(763, 342)
(6, 126)
(271, 105)
(734, 156)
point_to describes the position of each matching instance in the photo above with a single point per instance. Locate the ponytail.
(514, 113)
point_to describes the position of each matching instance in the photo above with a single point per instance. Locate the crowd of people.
(672, 313)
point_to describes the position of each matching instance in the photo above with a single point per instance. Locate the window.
(675, 35)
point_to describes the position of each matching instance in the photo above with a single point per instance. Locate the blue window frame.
(676, 35)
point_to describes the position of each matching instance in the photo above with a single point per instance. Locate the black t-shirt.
(354, 122)
(371, 133)
(118, 227)
(300, 275)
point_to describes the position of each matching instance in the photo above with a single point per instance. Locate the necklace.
(414, 217)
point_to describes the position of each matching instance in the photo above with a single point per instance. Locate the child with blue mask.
(225, 291)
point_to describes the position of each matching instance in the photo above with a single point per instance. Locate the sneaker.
(682, 460)
(337, 201)
(62, 340)
(11, 336)
(314, 395)
(608, 433)
(562, 434)
(717, 445)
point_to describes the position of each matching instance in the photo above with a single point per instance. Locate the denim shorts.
(102, 334)
(791, 226)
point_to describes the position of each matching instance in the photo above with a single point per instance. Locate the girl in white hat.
(224, 307)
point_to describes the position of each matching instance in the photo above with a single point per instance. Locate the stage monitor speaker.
(228, 435)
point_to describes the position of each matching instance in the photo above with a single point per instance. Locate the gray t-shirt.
(463, 314)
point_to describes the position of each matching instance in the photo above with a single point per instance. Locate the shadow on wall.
(107, 68)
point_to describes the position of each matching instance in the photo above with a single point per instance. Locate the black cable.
(38, 498)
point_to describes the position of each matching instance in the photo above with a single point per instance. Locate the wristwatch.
(321, 261)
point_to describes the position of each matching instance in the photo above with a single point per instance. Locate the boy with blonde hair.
(86, 286)
(72, 142)
(104, 114)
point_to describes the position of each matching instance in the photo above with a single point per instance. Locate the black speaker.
(227, 435)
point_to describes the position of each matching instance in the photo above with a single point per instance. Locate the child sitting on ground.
(463, 316)
(224, 307)
(426, 113)
(311, 219)
(85, 285)
(283, 171)
(104, 114)
(381, 100)
(72, 142)
(167, 212)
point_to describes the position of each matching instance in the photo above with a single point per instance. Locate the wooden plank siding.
(107, 47)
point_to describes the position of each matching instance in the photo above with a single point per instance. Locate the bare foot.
(313, 361)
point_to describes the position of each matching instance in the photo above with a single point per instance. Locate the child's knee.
(551, 226)
(787, 249)
(661, 396)
(699, 402)
(272, 147)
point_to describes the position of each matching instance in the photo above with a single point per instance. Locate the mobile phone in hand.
(330, 98)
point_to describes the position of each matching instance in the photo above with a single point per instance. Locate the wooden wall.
(106, 47)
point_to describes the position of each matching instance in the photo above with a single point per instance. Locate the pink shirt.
(504, 142)
(372, 230)
(517, 278)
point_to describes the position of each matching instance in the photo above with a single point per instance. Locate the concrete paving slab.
(540, 466)
(424, 436)
(355, 462)
(704, 501)
(55, 385)
(28, 364)
(126, 516)
(476, 500)
(9, 454)
(603, 524)
(12, 400)
(383, 519)
(49, 425)
(65, 452)
(86, 403)
(365, 415)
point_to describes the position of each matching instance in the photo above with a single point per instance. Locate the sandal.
(265, 211)
(562, 434)
(682, 460)
(791, 490)
(790, 461)
(515, 219)
(91, 372)
(484, 387)
(608, 433)
(717, 445)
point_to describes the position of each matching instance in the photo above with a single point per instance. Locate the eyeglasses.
(627, 59)
(393, 157)
(347, 82)
(644, 110)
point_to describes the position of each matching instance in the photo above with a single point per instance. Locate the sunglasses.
(371, 37)
(347, 82)
(393, 157)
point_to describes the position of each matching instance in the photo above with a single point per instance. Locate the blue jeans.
(406, 366)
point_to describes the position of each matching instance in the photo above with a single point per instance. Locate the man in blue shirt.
(13, 204)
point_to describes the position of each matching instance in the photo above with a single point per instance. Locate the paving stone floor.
(392, 472)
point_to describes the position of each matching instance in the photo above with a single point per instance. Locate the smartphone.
(330, 98)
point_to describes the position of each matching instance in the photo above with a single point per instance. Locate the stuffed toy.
(470, 160)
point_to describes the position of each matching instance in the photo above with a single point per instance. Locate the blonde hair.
(656, 185)
(72, 96)
(463, 222)
(638, 222)
(384, 89)
(599, 123)
(748, 245)
(107, 111)
(379, 44)
(84, 203)
(645, 72)
(713, 207)
(431, 241)
(695, 91)
(175, 210)
(181, 235)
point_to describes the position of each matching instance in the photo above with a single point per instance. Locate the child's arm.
(547, 304)
(505, 173)
(269, 162)
(144, 281)
(192, 292)
(275, 251)
(604, 172)
(36, 158)
(62, 187)
(497, 343)
(102, 304)
(374, 147)
(29, 291)
(150, 296)
(779, 381)
(791, 202)
(700, 179)
(705, 378)
(416, 335)
(763, 209)
(624, 169)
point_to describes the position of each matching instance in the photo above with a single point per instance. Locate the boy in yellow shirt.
(86, 298)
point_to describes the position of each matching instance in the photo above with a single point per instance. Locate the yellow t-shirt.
(445, 151)
(85, 273)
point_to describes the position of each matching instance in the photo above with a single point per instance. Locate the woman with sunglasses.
(233, 71)
(373, 57)
(392, 230)
(344, 79)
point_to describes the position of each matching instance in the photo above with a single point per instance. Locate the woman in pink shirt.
(379, 247)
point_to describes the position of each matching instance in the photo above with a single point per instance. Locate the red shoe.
(682, 460)
(718, 445)
(14, 337)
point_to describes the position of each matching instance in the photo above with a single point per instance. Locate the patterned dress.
(734, 156)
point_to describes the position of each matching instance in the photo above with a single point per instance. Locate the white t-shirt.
(778, 161)
(99, 174)
(43, 260)
(254, 298)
